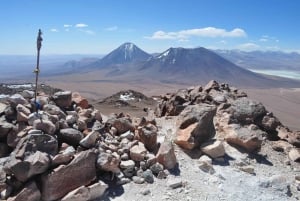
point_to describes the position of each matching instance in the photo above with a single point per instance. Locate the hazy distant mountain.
(127, 53)
(198, 65)
(268, 60)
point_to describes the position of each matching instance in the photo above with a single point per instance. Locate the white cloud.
(89, 32)
(81, 25)
(67, 25)
(113, 28)
(53, 30)
(263, 40)
(248, 46)
(210, 32)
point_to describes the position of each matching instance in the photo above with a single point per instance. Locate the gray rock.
(148, 136)
(174, 182)
(16, 99)
(35, 164)
(202, 114)
(245, 110)
(81, 171)
(206, 167)
(90, 139)
(36, 142)
(138, 180)
(122, 125)
(156, 168)
(27, 94)
(148, 176)
(129, 164)
(54, 110)
(4, 150)
(108, 162)
(44, 125)
(63, 99)
(5, 128)
(71, 136)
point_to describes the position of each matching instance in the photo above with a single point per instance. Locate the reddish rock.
(79, 100)
(81, 171)
(184, 137)
(108, 162)
(138, 152)
(248, 137)
(213, 149)
(166, 155)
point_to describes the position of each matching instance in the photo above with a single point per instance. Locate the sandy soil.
(284, 103)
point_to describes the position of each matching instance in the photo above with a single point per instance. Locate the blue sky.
(99, 26)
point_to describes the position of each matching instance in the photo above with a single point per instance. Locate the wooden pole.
(37, 69)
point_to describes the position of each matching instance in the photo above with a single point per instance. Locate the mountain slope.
(200, 65)
(127, 53)
(263, 59)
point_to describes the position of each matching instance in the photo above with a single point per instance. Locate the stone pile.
(67, 149)
(210, 117)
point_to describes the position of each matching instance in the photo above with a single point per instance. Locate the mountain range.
(175, 65)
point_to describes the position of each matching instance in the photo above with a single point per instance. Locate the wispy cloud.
(67, 25)
(54, 30)
(89, 32)
(263, 40)
(112, 28)
(248, 46)
(210, 32)
(81, 25)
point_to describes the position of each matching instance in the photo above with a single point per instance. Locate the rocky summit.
(202, 143)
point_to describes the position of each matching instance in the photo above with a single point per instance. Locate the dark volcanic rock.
(81, 171)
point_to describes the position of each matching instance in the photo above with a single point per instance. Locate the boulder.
(22, 113)
(79, 100)
(246, 111)
(282, 146)
(36, 142)
(166, 155)
(270, 123)
(63, 99)
(185, 137)
(248, 137)
(63, 179)
(148, 136)
(213, 149)
(71, 136)
(202, 114)
(5, 128)
(138, 152)
(122, 125)
(54, 110)
(27, 94)
(34, 164)
(30, 192)
(16, 99)
(211, 85)
(294, 154)
(44, 125)
(87, 193)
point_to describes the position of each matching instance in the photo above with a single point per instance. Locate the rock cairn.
(214, 115)
(67, 149)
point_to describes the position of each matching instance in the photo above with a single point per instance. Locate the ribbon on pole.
(37, 69)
